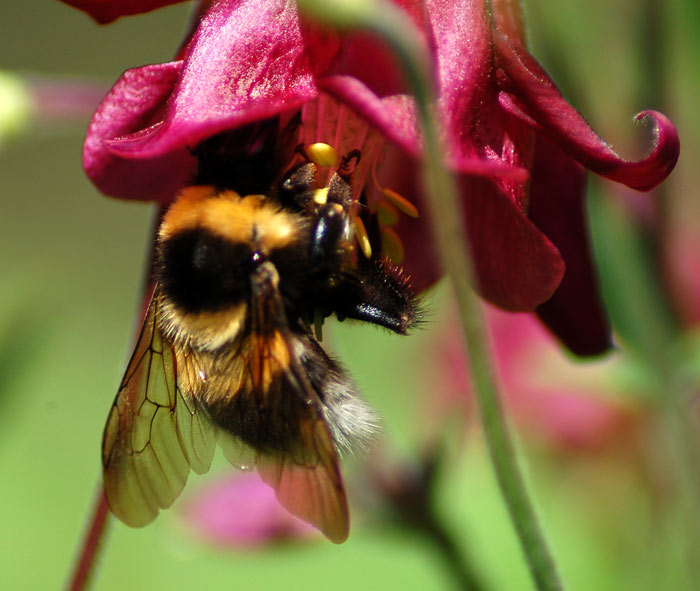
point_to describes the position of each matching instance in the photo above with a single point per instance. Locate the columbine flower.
(250, 60)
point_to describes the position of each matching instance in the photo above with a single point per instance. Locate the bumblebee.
(227, 353)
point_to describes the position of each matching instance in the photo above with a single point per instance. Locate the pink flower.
(252, 60)
(241, 510)
(567, 406)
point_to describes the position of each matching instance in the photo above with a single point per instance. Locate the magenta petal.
(517, 267)
(359, 49)
(464, 68)
(135, 102)
(533, 97)
(105, 11)
(575, 312)
(249, 60)
(395, 117)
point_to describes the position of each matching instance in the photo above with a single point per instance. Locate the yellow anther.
(400, 202)
(321, 195)
(322, 154)
(392, 246)
(362, 237)
(388, 215)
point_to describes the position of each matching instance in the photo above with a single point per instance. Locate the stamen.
(322, 154)
(388, 215)
(400, 202)
(321, 195)
(393, 197)
(392, 245)
(362, 237)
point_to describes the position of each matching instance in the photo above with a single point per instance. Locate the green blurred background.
(70, 274)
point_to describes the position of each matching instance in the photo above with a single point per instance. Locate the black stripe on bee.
(201, 271)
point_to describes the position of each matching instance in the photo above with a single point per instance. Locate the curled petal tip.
(528, 94)
(664, 155)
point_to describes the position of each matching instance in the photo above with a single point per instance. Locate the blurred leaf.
(630, 282)
(23, 339)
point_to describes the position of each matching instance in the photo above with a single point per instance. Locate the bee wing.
(154, 434)
(304, 468)
(306, 480)
(310, 486)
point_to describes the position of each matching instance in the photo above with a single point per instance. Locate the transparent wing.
(154, 433)
(306, 478)
(310, 486)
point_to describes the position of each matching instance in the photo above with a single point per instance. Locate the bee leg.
(339, 191)
(297, 188)
(381, 295)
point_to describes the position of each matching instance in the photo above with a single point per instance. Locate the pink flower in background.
(568, 406)
(682, 274)
(241, 510)
(519, 149)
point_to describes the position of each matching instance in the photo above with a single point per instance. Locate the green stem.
(446, 214)
(454, 253)
(448, 229)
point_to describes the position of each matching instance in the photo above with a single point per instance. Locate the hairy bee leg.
(398, 321)
(380, 295)
(339, 191)
(298, 187)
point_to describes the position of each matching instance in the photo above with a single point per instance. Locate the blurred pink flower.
(241, 510)
(252, 60)
(682, 273)
(568, 406)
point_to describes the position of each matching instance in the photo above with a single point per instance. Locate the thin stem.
(85, 564)
(455, 253)
(91, 545)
